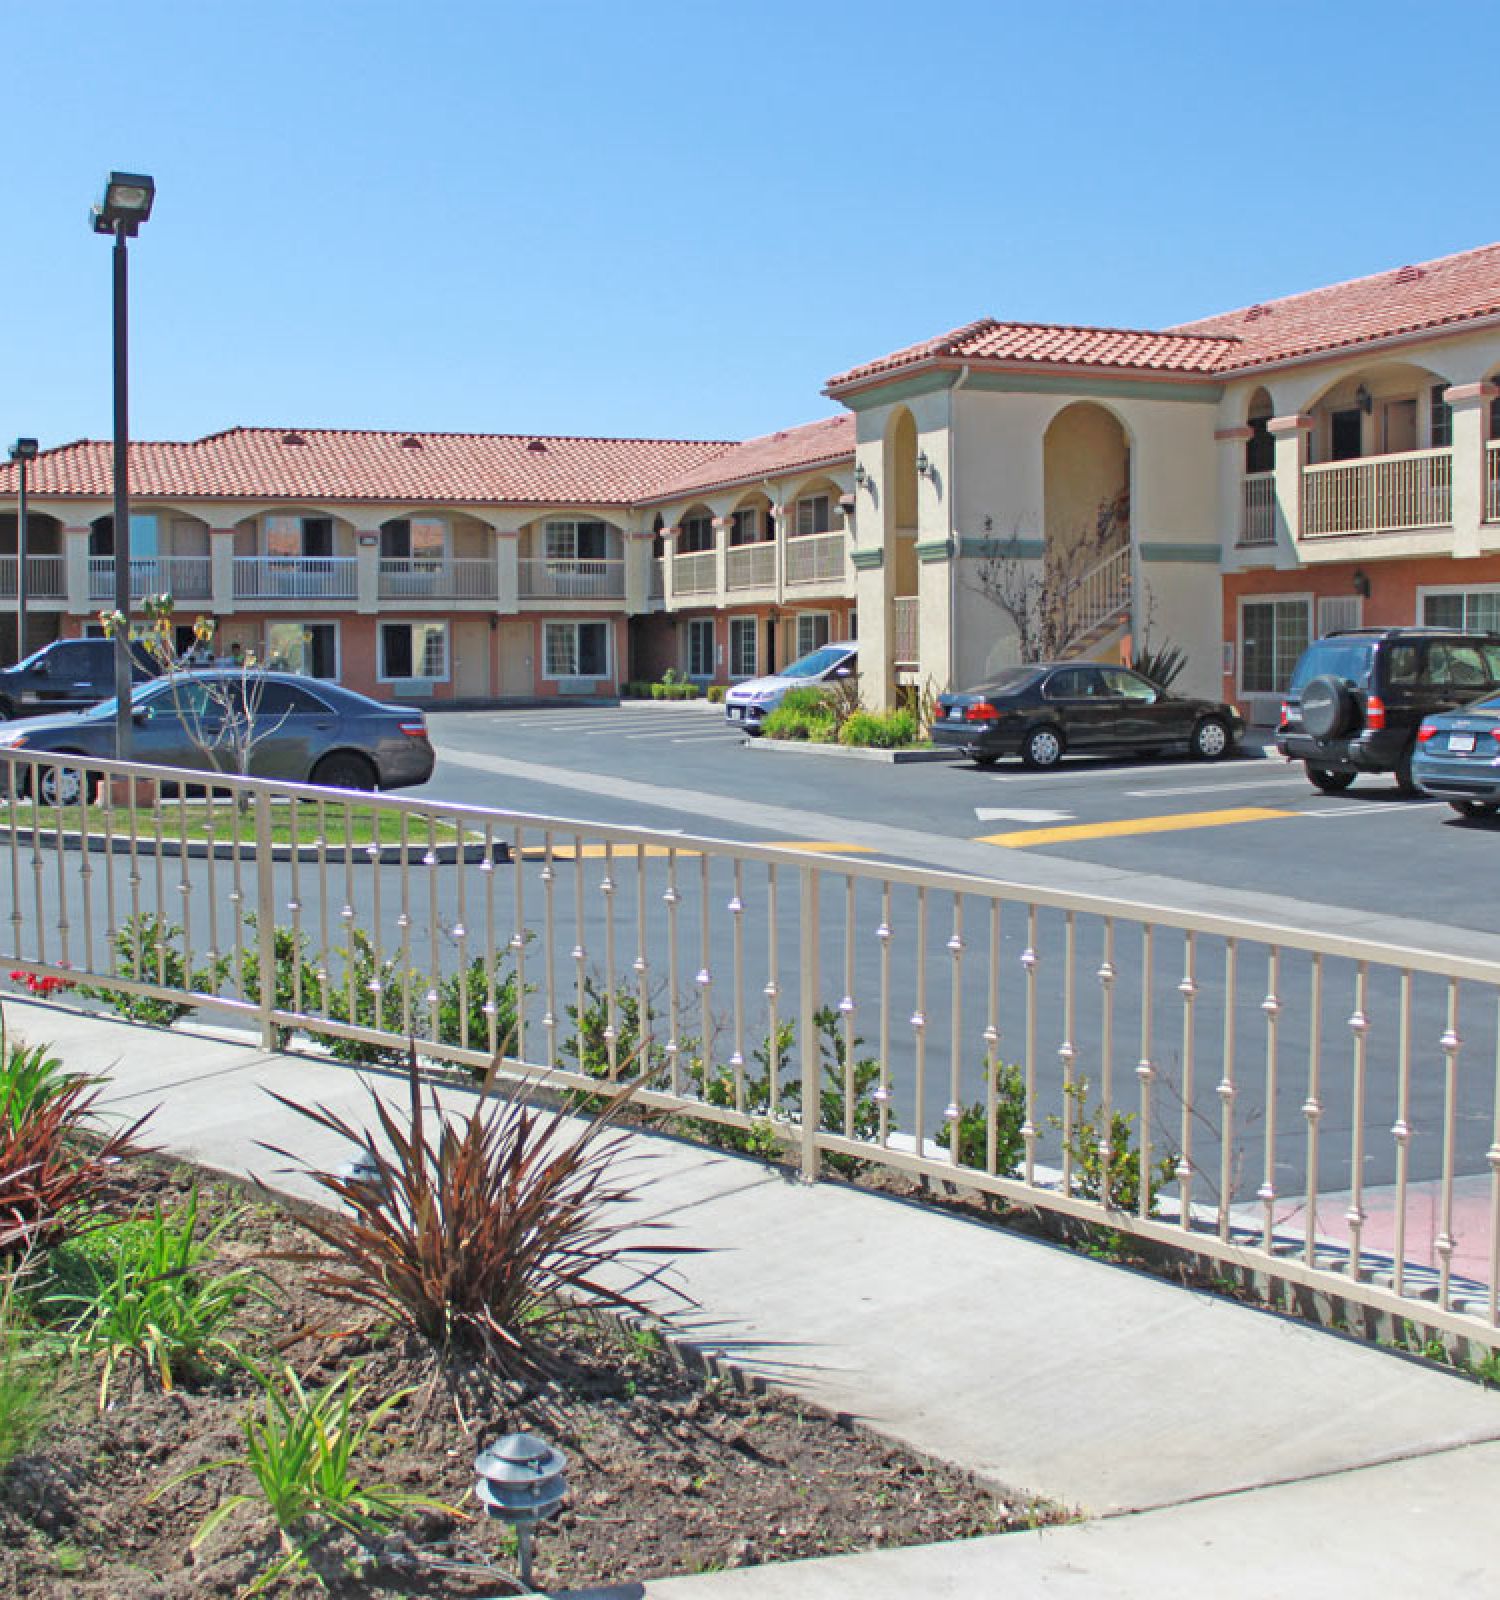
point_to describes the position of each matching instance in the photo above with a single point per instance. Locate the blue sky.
(677, 219)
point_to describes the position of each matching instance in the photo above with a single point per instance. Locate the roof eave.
(657, 498)
(1333, 352)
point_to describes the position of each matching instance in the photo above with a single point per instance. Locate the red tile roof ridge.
(245, 429)
(755, 459)
(909, 355)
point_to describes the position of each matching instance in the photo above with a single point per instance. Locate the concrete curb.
(897, 758)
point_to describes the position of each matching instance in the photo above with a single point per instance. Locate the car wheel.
(1329, 782)
(1210, 739)
(65, 786)
(1043, 747)
(1405, 783)
(344, 770)
(1474, 808)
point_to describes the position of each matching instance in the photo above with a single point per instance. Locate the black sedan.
(1038, 712)
(284, 726)
(1457, 757)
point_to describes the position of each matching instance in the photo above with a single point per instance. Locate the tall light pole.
(127, 201)
(23, 453)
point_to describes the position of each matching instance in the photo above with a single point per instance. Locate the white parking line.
(677, 733)
(1078, 774)
(1215, 788)
(1358, 808)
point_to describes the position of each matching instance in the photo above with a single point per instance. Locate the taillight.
(1286, 713)
(1375, 712)
(413, 730)
(1425, 732)
(1495, 733)
(981, 711)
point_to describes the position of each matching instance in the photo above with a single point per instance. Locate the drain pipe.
(953, 533)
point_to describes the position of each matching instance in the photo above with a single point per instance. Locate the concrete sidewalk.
(1212, 1444)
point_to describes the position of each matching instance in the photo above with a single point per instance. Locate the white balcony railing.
(693, 573)
(658, 578)
(1492, 482)
(815, 558)
(541, 579)
(1258, 509)
(751, 566)
(1384, 494)
(447, 578)
(182, 577)
(908, 639)
(294, 577)
(46, 578)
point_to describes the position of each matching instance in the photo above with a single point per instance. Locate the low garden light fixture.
(520, 1479)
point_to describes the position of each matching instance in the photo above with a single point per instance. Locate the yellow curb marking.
(1026, 837)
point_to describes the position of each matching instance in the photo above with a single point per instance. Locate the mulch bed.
(669, 1471)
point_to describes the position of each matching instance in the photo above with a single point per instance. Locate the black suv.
(66, 675)
(1358, 697)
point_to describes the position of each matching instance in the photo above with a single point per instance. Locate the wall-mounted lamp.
(1361, 583)
(1364, 399)
(860, 474)
(924, 466)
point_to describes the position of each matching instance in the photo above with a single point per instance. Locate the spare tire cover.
(1327, 707)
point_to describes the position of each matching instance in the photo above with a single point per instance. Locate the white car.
(748, 703)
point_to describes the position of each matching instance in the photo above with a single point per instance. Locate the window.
(1346, 435)
(743, 634)
(413, 650)
(700, 647)
(1127, 685)
(1339, 612)
(695, 533)
(812, 515)
(1464, 610)
(414, 539)
(293, 537)
(575, 649)
(575, 541)
(745, 526)
(311, 648)
(1260, 447)
(1072, 683)
(1442, 418)
(812, 631)
(1273, 634)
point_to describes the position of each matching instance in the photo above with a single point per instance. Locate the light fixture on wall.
(1361, 583)
(1364, 399)
(924, 466)
(860, 475)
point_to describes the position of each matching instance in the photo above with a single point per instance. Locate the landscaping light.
(361, 1168)
(520, 1479)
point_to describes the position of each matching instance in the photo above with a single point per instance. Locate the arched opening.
(900, 477)
(1086, 489)
(1258, 491)
(46, 579)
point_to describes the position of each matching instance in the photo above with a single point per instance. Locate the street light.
(127, 202)
(23, 453)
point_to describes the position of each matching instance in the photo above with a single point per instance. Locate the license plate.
(955, 713)
(737, 712)
(1461, 743)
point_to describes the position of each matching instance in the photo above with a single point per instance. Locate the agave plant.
(478, 1230)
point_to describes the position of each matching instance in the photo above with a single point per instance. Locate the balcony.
(693, 573)
(45, 577)
(449, 578)
(815, 558)
(1258, 509)
(658, 578)
(1492, 481)
(1383, 494)
(751, 566)
(182, 577)
(294, 578)
(541, 579)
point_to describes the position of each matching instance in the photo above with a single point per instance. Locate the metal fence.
(1325, 1108)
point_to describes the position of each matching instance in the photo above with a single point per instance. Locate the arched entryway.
(1086, 528)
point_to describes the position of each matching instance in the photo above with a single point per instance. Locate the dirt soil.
(669, 1471)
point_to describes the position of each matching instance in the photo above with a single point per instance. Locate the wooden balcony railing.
(751, 566)
(46, 578)
(815, 558)
(450, 578)
(294, 578)
(182, 577)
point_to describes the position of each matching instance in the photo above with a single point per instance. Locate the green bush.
(802, 714)
(658, 691)
(716, 693)
(465, 1011)
(28, 1376)
(1119, 1184)
(1010, 1115)
(148, 949)
(879, 730)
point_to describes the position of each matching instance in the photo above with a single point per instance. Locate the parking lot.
(1246, 832)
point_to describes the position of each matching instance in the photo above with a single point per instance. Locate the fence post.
(265, 916)
(807, 1036)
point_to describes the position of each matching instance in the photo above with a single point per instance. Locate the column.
(637, 552)
(780, 518)
(221, 571)
(668, 575)
(75, 546)
(1231, 490)
(507, 571)
(367, 570)
(721, 562)
(1470, 404)
(1289, 432)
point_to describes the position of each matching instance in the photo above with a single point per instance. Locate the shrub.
(716, 693)
(300, 1452)
(658, 691)
(590, 1046)
(1010, 1113)
(146, 1299)
(1117, 1183)
(148, 949)
(673, 676)
(879, 730)
(802, 714)
(466, 1015)
(476, 1230)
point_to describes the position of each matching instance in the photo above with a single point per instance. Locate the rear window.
(1348, 659)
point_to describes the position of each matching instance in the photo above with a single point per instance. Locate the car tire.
(1329, 782)
(345, 770)
(1042, 748)
(1328, 708)
(1405, 783)
(1474, 808)
(65, 786)
(1210, 740)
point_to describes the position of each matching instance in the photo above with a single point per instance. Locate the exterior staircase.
(1100, 605)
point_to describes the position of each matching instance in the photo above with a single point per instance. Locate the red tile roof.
(336, 465)
(1411, 299)
(814, 444)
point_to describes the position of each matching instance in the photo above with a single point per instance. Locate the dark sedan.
(1038, 712)
(301, 729)
(1457, 757)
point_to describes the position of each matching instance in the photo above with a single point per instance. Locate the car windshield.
(1348, 659)
(815, 665)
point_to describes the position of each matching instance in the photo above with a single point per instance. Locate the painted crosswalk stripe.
(1026, 837)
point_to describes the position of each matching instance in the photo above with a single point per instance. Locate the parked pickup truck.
(66, 675)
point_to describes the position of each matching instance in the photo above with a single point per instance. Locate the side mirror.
(140, 715)
(842, 672)
(42, 668)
